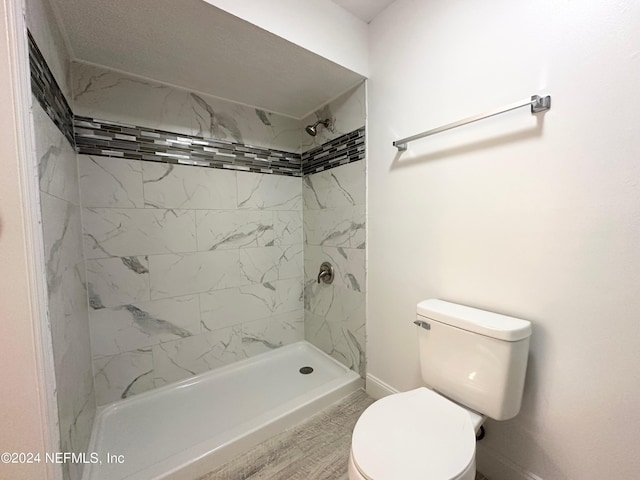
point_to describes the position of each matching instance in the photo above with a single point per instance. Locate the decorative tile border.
(347, 148)
(111, 139)
(48, 93)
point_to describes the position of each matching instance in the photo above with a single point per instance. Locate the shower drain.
(306, 370)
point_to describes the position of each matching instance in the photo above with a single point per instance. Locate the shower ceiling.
(199, 47)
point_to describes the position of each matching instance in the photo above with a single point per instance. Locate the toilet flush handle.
(423, 324)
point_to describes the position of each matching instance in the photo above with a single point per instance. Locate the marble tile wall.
(188, 269)
(109, 95)
(333, 188)
(334, 231)
(67, 312)
(347, 113)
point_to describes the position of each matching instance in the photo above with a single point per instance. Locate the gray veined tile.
(214, 124)
(62, 237)
(184, 358)
(347, 113)
(337, 187)
(238, 305)
(115, 232)
(134, 326)
(335, 322)
(339, 340)
(109, 182)
(57, 167)
(121, 376)
(266, 264)
(172, 274)
(117, 281)
(266, 334)
(179, 186)
(269, 192)
(336, 227)
(220, 229)
(287, 226)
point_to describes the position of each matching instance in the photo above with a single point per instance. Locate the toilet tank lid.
(495, 325)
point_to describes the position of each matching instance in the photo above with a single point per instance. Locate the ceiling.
(196, 46)
(365, 10)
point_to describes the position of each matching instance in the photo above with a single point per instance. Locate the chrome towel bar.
(538, 104)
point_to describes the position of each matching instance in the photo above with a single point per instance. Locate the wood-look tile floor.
(317, 449)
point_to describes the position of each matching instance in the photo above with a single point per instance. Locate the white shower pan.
(186, 429)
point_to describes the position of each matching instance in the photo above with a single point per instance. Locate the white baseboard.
(377, 388)
(497, 467)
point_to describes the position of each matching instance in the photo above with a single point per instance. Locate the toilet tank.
(474, 357)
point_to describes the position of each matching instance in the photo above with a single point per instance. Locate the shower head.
(313, 129)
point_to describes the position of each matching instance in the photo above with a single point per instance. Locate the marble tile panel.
(238, 305)
(72, 359)
(287, 227)
(348, 265)
(180, 186)
(103, 93)
(62, 237)
(347, 113)
(121, 376)
(76, 399)
(57, 167)
(338, 341)
(68, 315)
(79, 430)
(173, 275)
(342, 186)
(133, 326)
(336, 227)
(269, 192)
(266, 334)
(110, 182)
(260, 265)
(116, 232)
(335, 323)
(225, 229)
(117, 281)
(174, 361)
(65, 273)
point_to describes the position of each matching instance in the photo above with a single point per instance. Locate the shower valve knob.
(326, 273)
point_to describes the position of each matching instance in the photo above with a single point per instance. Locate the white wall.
(320, 26)
(23, 416)
(536, 218)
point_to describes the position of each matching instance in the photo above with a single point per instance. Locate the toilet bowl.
(473, 361)
(418, 435)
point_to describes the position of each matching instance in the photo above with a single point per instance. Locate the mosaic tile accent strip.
(92, 136)
(111, 139)
(348, 148)
(48, 93)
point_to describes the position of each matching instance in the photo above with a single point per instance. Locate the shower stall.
(185, 221)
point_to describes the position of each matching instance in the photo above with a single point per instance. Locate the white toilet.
(474, 363)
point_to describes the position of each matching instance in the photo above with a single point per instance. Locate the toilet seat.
(413, 435)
